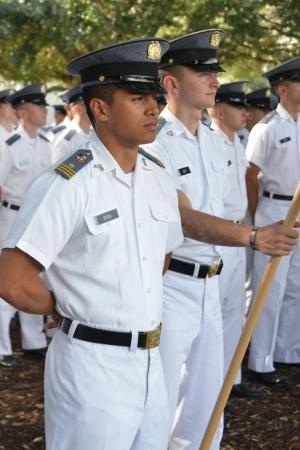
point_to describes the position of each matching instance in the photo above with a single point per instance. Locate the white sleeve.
(258, 144)
(6, 162)
(51, 209)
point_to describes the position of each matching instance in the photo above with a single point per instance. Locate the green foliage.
(39, 37)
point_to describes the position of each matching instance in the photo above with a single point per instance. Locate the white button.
(139, 225)
(148, 291)
(144, 258)
(165, 216)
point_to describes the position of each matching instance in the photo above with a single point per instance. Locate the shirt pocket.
(164, 224)
(105, 242)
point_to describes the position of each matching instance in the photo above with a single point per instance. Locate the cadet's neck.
(7, 125)
(30, 129)
(230, 133)
(124, 153)
(291, 107)
(186, 114)
(83, 122)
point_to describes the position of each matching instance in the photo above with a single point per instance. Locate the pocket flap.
(164, 212)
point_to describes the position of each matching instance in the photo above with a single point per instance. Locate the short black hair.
(105, 93)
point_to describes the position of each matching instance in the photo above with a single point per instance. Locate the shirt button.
(148, 290)
(144, 258)
(139, 225)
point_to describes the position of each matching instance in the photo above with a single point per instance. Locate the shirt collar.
(104, 161)
(284, 114)
(178, 127)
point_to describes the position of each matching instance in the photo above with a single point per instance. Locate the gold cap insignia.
(215, 39)
(154, 51)
(171, 60)
(268, 92)
(101, 77)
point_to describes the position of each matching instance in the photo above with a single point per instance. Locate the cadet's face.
(198, 89)
(235, 116)
(132, 118)
(36, 114)
(254, 116)
(8, 113)
(293, 92)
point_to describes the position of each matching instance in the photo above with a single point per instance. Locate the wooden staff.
(250, 325)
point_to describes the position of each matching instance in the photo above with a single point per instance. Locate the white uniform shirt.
(54, 134)
(4, 134)
(102, 239)
(72, 138)
(199, 168)
(243, 135)
(236, 200)
(20, 163)
(274, 146)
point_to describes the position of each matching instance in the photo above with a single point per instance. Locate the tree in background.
(39, 37)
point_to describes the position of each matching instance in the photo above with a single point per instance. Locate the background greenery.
(39, 37)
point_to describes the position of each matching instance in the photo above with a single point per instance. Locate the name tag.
(107, 216)
(184, 171)
(287, 139)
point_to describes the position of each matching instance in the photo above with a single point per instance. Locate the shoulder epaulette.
(69, 135)
(151, 157)
(43, 137)
(58, 129)
(74, 163)
(161, 123)
(12, 139)
(268, 117)
(207, 125)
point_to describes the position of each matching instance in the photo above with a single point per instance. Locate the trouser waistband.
(145, 339)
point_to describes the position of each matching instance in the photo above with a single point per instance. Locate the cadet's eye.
(138, 98)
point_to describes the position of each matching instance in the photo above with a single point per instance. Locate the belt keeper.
(252, 238)
(72, 328)
(134, 341)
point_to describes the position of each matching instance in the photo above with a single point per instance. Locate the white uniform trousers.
(104, 397)
(192, 355)
(233, 301)
(32, 333)
(277, 334)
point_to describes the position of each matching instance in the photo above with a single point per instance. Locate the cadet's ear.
(99, 109)
(170, 83)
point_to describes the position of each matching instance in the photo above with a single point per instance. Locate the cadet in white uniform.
(8, 116)
(79, 129)
(274, 153)
(23, 156)
(192, 332)
(108, 230)
(228, 116)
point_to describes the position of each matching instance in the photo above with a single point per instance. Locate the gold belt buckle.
(213, 270)
(152, 338)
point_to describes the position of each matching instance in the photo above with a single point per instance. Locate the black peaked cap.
(233, 93)
(289, 70)
(70, 96)
(5, 94)
(262, 98)
(34, 93)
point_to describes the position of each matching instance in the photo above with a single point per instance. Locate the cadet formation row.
(96, 208)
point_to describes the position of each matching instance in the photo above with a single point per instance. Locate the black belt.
(277, 196)
(146, 340)
(10, 206)
(189, 269)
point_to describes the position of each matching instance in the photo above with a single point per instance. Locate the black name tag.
(107, 216)
(184, 171)
(287, 139)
